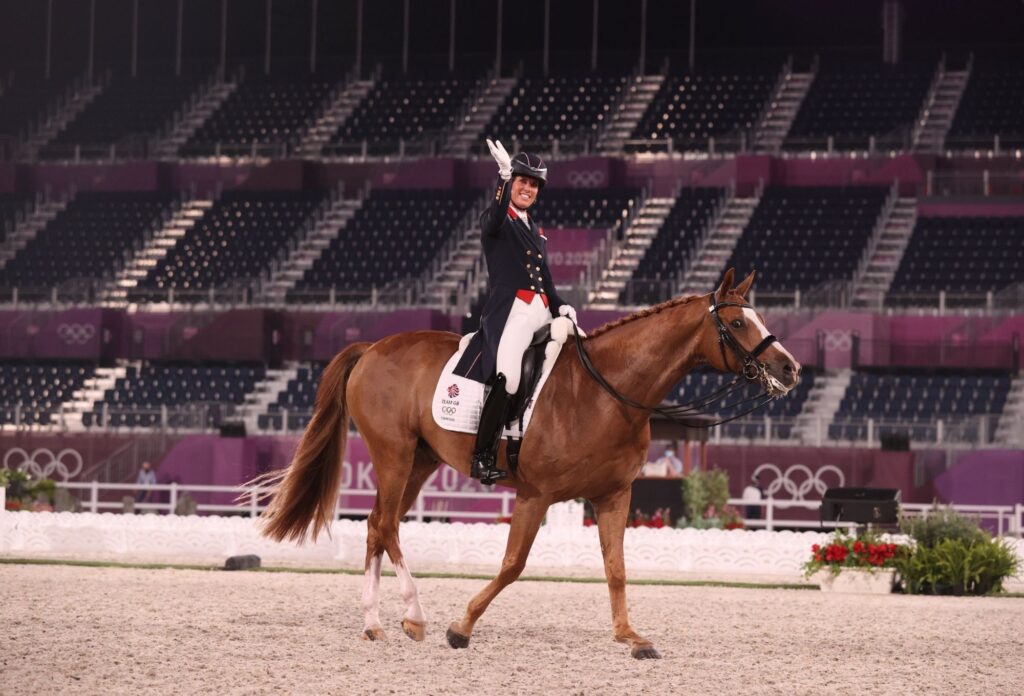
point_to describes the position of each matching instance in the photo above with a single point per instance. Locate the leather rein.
(753, 369)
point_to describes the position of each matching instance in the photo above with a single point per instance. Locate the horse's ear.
(743, 287)
(726, 285)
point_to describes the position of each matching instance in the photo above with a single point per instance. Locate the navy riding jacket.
(517, 266)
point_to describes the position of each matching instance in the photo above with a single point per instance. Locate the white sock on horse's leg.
(371, 595)
(413, 610)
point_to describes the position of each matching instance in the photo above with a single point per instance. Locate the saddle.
(533, 364)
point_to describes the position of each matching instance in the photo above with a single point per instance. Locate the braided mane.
(656, 309)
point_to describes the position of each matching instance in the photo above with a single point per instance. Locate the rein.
(753, 369)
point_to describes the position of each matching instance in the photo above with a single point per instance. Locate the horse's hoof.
(373, 634)
(456, 640)
(414, 629)
(645, 652)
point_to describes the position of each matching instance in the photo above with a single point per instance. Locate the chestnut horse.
(583, 442)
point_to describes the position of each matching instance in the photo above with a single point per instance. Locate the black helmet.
(524, 164)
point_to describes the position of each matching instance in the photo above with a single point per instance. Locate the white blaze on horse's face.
(774, 385)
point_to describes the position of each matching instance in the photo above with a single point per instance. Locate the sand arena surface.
(76, 630)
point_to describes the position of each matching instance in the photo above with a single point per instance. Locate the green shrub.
(703, 488)
(953, 555)
(942, 523)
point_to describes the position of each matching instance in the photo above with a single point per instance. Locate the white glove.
(568, 311)
(501, 157)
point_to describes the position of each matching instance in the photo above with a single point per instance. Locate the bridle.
(753, 370)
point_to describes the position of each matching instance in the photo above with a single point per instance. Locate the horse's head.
(740, 343)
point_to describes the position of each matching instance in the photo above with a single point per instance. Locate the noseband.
(753, 369)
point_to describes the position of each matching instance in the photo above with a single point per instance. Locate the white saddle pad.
(458, 401)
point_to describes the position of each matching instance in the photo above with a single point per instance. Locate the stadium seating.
(11, 206)
(542, 110)
(704, 383)
(959, 255)
(296, 399)
(87, 240)
(24, 102)
(393, 236)
(236, 240)
(402, 109)
(124, 114)
(196, 396)
(263, 111)
(656, 276)
(31, 392)
(853, 102)
(912, 403)
(799, 238)
(991, 105)
(689, 109)
(602, 208)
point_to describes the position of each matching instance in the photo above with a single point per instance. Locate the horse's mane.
(668, 304)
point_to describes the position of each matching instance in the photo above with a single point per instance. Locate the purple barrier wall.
(86, 334)
(335, 331)
(986, 477)
(938, 207)
(8, 177)
(68, 456)
(570, 252)
(124, 176)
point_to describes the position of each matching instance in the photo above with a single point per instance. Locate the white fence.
(1007, 519)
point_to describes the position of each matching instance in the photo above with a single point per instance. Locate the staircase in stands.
(780, 111)
(91, 391)
(329, 225)
(820, 407)
(74, 102)
(884, 253)
(332, 118)
(264, 393)
(705, 269)
(940, 107)
(469, 130)
(1010, 429)
(28, 228)
(459, 271)
(203, 104)
(639, 96)
(155, 248)
(625, 256)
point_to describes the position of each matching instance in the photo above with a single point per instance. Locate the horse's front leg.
(612, 512)
(526, 519)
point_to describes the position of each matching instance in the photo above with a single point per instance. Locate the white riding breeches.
(523, 321)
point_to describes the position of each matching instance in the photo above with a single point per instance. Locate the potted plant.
(855, 564)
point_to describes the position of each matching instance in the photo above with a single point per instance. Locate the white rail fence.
(1006, 519)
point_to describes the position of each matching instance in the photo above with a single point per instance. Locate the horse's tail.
(305, 493)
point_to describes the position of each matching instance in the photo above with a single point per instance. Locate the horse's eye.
(737, 323)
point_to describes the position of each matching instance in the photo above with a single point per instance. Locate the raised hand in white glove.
(568, 311)
(502, 157)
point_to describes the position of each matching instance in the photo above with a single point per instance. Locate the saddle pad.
(458, 401)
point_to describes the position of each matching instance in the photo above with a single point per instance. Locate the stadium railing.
(94, 497)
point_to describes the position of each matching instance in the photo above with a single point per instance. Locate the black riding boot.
(484, 465)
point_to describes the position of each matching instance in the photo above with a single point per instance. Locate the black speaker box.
(861, 505)
(232, 429)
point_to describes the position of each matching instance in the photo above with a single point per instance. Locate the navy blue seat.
(31, 393)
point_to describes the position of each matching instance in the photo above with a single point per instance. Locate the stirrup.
(484, 468)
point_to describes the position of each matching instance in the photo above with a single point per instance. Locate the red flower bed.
(867, 551)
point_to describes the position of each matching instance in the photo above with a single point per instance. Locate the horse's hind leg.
(526, 519)
(396, 473)
(414, 623)
(612, 513)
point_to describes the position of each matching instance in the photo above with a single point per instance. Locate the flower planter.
(857, 581)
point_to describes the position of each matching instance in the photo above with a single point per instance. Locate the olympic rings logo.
(448, 410)
(76, 334)
(586, 178)
(43, 462)
(798, 480)
(839, 340)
